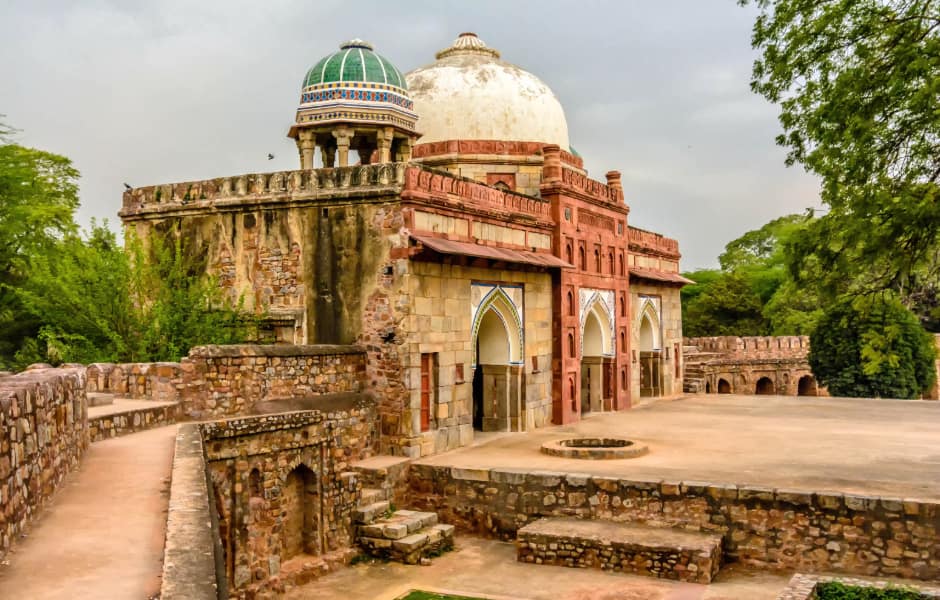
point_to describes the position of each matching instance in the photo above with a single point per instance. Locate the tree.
(728, 306)
(99, 302)
(872, 346)
(38, 198)
(858, 83)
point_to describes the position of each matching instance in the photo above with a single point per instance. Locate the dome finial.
(468, 43)
(356, 43)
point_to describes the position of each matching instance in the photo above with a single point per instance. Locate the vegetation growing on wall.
(839, 591)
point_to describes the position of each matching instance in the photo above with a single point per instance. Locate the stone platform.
(657, 552)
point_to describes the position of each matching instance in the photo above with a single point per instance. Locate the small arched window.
(623, 341)
(610, 260)
(597, 260)
(570, 303)
(623, 379)
(623, 306)
(571, 345)
(582, 260)
(568, 256)
(620, 261)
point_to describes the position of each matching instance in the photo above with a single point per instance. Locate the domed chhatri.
(469, 93)
(354, 99)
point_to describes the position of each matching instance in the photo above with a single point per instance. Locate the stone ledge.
(279, 350)
(189, 561)
(803, 587)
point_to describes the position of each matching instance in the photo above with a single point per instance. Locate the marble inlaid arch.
(505, 303)
(649, 323)
(599, 305)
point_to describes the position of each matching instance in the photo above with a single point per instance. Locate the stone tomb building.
(441, 220)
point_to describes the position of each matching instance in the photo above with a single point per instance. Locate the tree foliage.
(858, 84)
(69, 297)
(872, 346)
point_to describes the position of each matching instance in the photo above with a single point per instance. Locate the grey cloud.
(150, 92)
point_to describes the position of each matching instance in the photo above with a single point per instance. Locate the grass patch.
(839, 591)
(419, 595)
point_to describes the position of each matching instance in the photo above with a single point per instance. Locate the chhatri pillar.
(354, 99)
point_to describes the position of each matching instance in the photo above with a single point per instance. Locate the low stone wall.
(285, 493)
(148, 381)
(227, 381)
(190, 561)
(766, 528)
(782, 346)
(140, 419)
(43, 435)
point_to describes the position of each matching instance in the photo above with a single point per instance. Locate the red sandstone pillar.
(551, 169)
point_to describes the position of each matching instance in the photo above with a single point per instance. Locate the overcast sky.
(155, 92)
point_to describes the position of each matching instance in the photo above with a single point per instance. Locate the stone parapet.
(261, 188)
(141, 381)
(764, 528)
(768, 347)
(43, 436)
(805, 587)
(648, 242)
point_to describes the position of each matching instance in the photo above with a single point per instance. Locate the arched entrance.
(596, 359)
(724, 387)
(806, 386)
(300, 512)
(497, 358)
(651, 356)
(765, 386)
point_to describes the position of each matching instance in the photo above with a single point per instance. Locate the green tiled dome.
(355, 62)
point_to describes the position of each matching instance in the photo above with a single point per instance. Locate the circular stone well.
(594, 448)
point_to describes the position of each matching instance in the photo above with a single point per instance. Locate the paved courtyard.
(882, 447)
(489, 569)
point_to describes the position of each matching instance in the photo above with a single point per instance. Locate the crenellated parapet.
(763, 347)
(643, 241)
(262, 187)
(423, 183)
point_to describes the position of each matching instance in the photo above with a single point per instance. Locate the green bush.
(872, 347)
(839, 591)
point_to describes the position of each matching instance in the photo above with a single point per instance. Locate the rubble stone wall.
(281, 481)
(148, 381)
(43, 435)
(765, 528)
(228, 381)
(783, 346)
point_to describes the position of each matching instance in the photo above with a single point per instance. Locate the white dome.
(468, 93)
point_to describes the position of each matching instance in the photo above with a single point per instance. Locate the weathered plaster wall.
(764, 528)
(254, 465)
(43, 435)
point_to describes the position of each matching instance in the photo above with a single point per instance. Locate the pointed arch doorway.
(596, 359)
(651, 356)
(497, 365)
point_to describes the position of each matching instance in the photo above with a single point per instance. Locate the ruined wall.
(147, 381)
(750, 365)
(284, 493)
(764, 528)
(225, 381)
(43, 435)
(298, 246)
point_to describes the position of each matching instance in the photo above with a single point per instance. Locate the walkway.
(863, 446)
(102, 536)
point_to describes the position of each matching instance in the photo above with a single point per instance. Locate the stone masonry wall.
(253, 463)
(43, 435)
(733, 347)
(765, 528)
(150, 381)
(227, 381)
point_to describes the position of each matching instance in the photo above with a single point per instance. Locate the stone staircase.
(688, 556)
(693, 372)
(406, 536)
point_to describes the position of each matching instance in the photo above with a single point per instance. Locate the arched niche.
(497, 331)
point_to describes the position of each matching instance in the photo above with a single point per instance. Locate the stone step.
(400, 524)
(372, 495)
(384, 472)
(410, 548)
(688, 556)
(99, 398)
(366, 514)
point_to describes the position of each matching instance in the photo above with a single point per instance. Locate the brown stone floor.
(863, 446)
(102, 536)
(489, 568)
